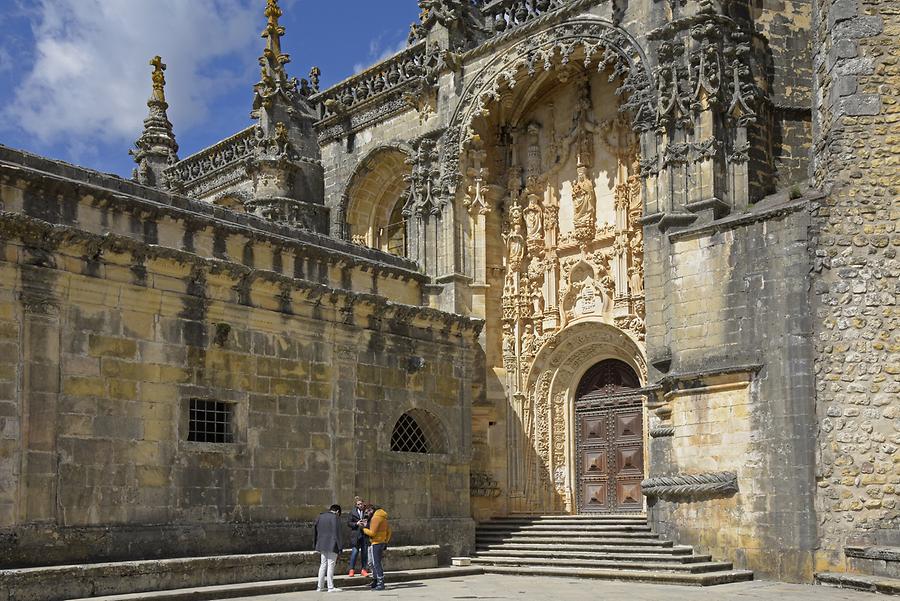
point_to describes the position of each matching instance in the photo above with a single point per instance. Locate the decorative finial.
(156, 149)
(272, 33)
(159, 79)
(314, 74)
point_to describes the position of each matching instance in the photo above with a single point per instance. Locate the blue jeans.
(377, 557)
(359, 549)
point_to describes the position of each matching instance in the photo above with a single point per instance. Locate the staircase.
(609, 547)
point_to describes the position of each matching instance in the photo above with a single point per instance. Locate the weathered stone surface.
(106, 579)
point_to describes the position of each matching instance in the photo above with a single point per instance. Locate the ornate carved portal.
(549, 160)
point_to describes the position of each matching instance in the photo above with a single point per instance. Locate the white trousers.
(326, 568)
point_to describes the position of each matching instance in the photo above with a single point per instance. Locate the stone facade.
(110, 329)
(615, 190)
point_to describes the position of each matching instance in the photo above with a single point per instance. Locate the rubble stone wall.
(857, 163)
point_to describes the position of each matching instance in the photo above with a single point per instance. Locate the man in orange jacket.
(379, 531)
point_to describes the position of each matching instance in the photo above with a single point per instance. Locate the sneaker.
(380, 587)
(364, 573)
(334, 590)
(353, 573)
(321, 590)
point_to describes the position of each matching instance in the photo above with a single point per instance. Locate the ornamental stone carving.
(691, 487)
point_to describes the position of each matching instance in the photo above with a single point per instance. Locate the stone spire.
(274, 79)
(286, 169)
(156, 149)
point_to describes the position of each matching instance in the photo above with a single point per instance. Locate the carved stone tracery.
(569, 215)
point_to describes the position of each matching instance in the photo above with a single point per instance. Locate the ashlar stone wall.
(736, 390)
(106, 339)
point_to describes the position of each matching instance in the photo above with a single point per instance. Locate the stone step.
(591, 555)
(552, 548)
(693, 568)
(590, 527)
(568, 520)
(560, 532)
(596, 540)
(875, 584)
(653, 576)
(274, 587)
(579, 516)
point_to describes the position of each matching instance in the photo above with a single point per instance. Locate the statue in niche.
(534, 222)
(514, 240)
(636, 279)
(585, 125)
(585, 202)
(528, 341)
(535, 270)
(509, 342)
(537, 302)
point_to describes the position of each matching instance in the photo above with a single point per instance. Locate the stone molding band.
(662, 432)
(691, 487)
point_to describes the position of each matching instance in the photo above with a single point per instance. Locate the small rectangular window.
(211, 421)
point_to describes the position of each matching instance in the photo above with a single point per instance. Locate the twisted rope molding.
(691, 487)
(662, 431)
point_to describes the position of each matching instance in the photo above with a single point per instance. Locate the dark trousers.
(360, 549)
(377, 557)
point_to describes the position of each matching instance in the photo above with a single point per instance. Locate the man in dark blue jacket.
(359, 542)
(329, 542)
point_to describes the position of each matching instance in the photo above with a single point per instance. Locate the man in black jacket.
(329, 543)
(359, 542)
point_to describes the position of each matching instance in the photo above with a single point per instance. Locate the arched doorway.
(609, 439)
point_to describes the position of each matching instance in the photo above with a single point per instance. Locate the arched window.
(608, 376)
(393, 235)
(417, 431)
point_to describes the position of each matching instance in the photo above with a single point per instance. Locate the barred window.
(211, 421)
(417, 431)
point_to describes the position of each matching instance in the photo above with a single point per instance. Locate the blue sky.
(74, 74)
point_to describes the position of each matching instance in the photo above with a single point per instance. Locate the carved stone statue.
(636, 279)
(509, 343)
(534, 222)
(528, 340)
(537, 302)
(516, 245)
(585, 201)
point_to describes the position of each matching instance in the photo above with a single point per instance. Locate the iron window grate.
(408, 436)
(210, 421)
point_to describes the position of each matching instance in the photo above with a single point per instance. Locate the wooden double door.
(610, 452)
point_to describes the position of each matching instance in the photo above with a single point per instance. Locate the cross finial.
(159, 79)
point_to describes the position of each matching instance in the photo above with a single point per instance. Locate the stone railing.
(502, 16)
(209, 160)
(387, 75)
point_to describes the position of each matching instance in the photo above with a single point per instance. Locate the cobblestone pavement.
(564, 589)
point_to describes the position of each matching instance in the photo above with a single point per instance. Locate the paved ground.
(563, 589)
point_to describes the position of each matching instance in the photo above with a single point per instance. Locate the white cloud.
(378, 53)
(90, 77)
